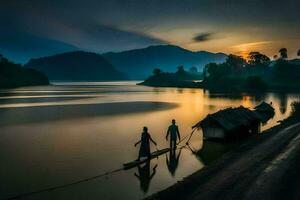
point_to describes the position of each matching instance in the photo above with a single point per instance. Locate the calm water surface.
(54, 135)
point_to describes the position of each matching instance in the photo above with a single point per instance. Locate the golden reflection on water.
(58, 150)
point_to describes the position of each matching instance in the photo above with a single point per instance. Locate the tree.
(3, 59)
(204, 73)
(235, 62)
(212, 71)
(180, 70)
(283, 53)
(256, 58)
(193, 70)
(282, 70)
(157, 71)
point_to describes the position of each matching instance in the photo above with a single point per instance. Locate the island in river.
(256, 74)
(181, 79)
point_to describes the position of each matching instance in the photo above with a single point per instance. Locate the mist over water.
(52, 135)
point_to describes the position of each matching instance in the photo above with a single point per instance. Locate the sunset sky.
(228, 26)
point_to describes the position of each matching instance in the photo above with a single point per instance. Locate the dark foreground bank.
(264, 167)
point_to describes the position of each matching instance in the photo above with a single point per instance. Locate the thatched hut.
(230, 123)
(265, 111)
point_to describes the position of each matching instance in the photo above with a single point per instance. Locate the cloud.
(120, 25)
(19, 41)
(102, 38)
(252, 44)
(202, 37)
(20, 46)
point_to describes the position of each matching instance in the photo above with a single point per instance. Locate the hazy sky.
(229, 26)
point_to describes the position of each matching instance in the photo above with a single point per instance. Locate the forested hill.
(14, 75)
(76, 66)
(139, 63)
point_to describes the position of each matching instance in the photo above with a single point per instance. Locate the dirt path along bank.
(267, 167)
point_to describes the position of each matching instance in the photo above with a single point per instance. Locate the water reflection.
(172, 160)
(23, 115)
(283, 102)
(145, 176)
(237, 96)
(82, 137)
(180, 90)
(211, 151)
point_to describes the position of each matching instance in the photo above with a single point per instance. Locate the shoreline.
(230, 176)
(284, 89)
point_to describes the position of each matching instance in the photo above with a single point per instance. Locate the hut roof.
(265, 111)
(264, 107)
(230, 118)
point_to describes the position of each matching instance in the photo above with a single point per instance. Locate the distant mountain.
(139, 63)
(76, 66)
(20, 47)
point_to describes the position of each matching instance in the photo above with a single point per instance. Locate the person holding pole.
(173, 131)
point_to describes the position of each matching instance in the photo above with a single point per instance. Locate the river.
(63, 133)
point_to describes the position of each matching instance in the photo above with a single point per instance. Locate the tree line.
(257, 72)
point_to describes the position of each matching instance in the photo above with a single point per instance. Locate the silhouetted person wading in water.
(145, 144)
(174, 132)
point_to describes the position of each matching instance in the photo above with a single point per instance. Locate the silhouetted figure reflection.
(144, 175)
(173, 131)
(172, 161)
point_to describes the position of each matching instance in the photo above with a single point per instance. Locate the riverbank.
(263, 167)
(199, 85)
(172, 83)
